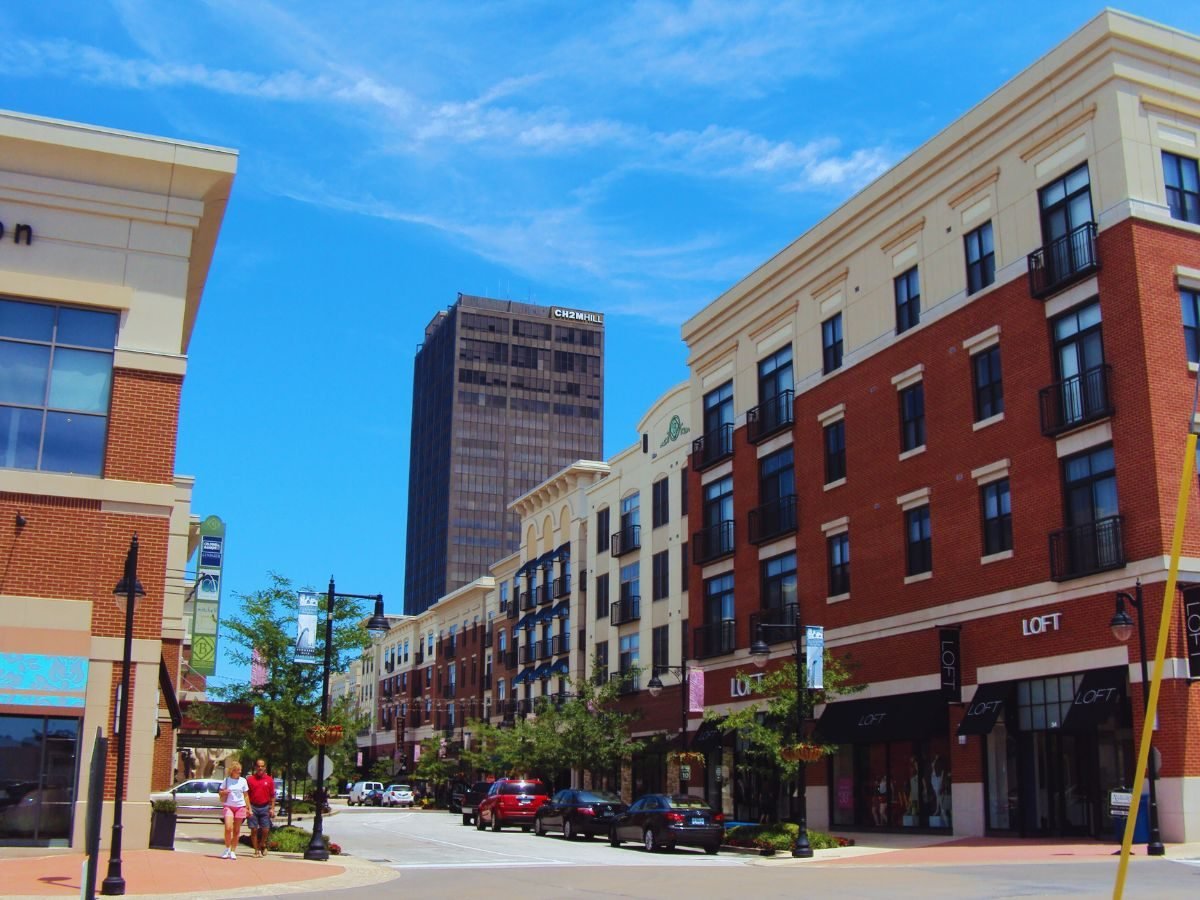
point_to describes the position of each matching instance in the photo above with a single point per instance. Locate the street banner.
(258, 670)
(949, 652)
(206, 607)
(814, 642)
(696, 690)
(1191, 628)
(306, 628)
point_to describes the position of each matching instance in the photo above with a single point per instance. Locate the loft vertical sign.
(1191, 629)
(949, 663)
(207, 608)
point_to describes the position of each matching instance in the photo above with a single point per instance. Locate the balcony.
(389, 667)
(627, 682)
(716, 639)
(782, 615)
(487, 681)
(560, 643)
(1063, 262)
(545, 648)
(449, 649)
(1075, 401)
(487, 638)
(509, 659)
(1087, 549)
(448, 691)
(713, 542)
(772, 520)
(770, 417)
(562, 587)
(627, 609)
(512, 612)
(529, 600)
(600, 675)
(420, 657)
(545, 595)
(529, 653)
(626, 540)
(712, 447)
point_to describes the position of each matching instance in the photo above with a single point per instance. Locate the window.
(779, 585)
(1066, 205)
(919, 540)
(908, 300)
(631, 582)
(912, 417)
(683, 492)
(602, 596)
(660, 646)
(603, 531)
(997, 517)
(503, 596)
(661, 564)
(601, 660)
(1190, 300)
(718, 423)
(838, 553)
(718, 599)
(1183, 187)
(831, 343)
(1093, 516)
(989, 389)
(686, 561)
(1079, 365)
(503, 640)
(835, 451)
(55, 382)
(660, 496)
(718, 518)
(631, 512)
(981, 258)
(775, 390)
(776, 476)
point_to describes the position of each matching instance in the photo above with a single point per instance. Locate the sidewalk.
(194, 869)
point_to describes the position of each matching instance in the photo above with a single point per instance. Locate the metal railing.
(627, 609)
(773, 519)
(1075, 401)
(626, 540)
(712, 447)
(627, 682)
(1063, 261)
(713, 542)
(716, 639)
(1086, 549)
(769, 417)
(562, 586)
(783, 615)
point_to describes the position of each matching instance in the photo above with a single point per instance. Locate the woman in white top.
(233, 795)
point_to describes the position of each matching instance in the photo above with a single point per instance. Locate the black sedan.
(577, 812)
(664, 821)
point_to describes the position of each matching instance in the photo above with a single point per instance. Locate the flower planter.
(805, 753)
(162, 830)
(324, 735)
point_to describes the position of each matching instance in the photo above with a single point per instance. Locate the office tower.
(505, 394)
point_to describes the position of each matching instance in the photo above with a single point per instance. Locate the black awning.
(1100, 694)
(708, 736)
(985, 708)
(168, 692)
(895, 718)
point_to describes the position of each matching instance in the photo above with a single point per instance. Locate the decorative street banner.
(1191, 628)
(696, 690)
(206, 609)
(814, 640)
(949, 651)
(306, 628)
(258, 670)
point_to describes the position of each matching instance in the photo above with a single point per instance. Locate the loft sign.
(739, 685)
(1041, 624)
(19, 231)
(577, 315)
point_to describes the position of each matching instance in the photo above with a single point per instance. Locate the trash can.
(1141, 827)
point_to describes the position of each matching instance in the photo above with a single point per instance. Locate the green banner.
(206, 611)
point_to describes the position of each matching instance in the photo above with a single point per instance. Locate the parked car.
(576, 812)
(360, 791)
(511, 801)
(198, 797)
(663, 822)
(471, 799)
(454, 796)
(398, 795)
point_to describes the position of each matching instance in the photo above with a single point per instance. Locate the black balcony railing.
(529, 653)
(487, 638)
(449, 650)
(561, 643)
(627, 682)
(769, 417)
(512, 611)
(420, 657)
(448, 691)
(716, 639)
(1087, 549)
(712, 542)
(487, 680)
(529, 600)
(389, 667)
(626, 540)
(562, 586)
(773, 519)
(1063, 261)
(600, 675)
(712, 447)
(545, 594)
(1075, 401)
(510, 659)
(627, 609)
(782, 615)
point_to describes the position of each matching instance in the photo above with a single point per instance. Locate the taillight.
(718, 817)
(585, 810)
(674, 817)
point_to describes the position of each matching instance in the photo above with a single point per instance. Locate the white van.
(360, 790)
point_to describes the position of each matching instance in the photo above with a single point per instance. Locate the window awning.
(985, 708)
(544, 615)
(529, 621)
(563, 609)
(523, 676)
(708, 736)
(894, 718)
(168, 692)
(542, 671)
(563, 551)
(546, 558)
(524, 570)
(560, 667)
(1100, 694)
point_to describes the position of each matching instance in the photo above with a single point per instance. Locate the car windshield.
(687, 803)
(523, 787)
(598, 797)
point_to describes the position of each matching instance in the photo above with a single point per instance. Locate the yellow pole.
(1185, 486)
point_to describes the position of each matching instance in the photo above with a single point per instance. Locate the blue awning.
(525, 568)
(545, 614)
(561, 667)
(546, 558)
(543, 671)
(563, 551)
(528, 621)
(563, 609)
(523, 676)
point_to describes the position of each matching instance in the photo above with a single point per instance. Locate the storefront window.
(38, 763)
(898, 784)
(1001, 778)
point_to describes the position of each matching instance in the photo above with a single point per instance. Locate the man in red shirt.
(262, 807)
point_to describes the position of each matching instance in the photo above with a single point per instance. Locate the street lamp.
(655, 688)
(130, 588)
(759, 651)
(1122, 629)
(378, 623)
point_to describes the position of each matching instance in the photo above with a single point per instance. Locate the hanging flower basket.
(805, 753)
(324, 735)
(688, 758)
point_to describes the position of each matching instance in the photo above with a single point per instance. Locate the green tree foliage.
(434, 766)
(769, 723)
(584, 731)
(290, 700)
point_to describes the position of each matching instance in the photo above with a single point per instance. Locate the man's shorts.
(260, 816)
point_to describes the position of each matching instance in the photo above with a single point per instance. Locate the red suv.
(511, 801)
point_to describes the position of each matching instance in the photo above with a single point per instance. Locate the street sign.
(1119, 803)
(685, 773)
(312, 768)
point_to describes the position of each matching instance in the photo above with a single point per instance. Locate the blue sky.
(634, 158)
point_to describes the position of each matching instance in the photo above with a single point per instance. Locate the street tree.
(434, 766)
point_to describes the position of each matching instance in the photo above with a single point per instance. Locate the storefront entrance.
(38, 761)
(1060, 793)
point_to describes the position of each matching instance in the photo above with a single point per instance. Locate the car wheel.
(613, 840)
(713, 850)
(538, 828)
(496, 826)
(466, 819)
(649, 841)
(568, 830)
(478, 822)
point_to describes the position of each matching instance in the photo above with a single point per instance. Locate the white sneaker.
(225, 853)
(232, 855)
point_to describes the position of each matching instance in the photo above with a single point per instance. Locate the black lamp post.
(759, 651)
(130, 588)
(1122, 629)
(378, 623)
(655, 688)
